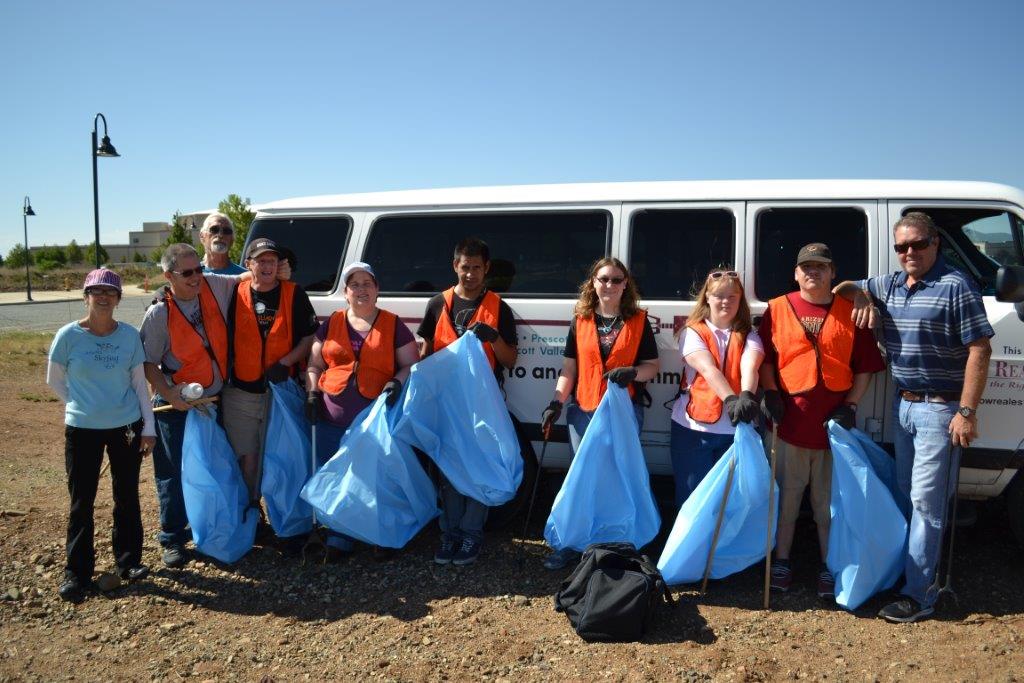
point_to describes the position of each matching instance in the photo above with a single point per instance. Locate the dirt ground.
(271, 618)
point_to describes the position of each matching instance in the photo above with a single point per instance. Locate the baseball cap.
(815, 252)
(101, 277)
(355, 267)
(260, 246)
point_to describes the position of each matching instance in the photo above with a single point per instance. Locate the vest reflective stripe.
(253, 355)
(486, 312)
(187, 345)
(376, 363)
(590, 385)
(704, 404)
(803, 360)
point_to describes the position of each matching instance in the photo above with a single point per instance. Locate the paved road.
(49, 316)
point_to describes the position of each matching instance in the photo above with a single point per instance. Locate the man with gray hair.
(217, 235)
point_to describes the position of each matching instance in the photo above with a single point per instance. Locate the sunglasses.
(188, 273)
(217, 230)
(722, 273)
(919, 245)
(610, 280)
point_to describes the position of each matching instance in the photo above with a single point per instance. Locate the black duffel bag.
(612, 594)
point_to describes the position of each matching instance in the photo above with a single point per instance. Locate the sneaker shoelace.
(467, 545)
(779, 570)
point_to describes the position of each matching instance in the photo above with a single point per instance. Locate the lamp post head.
(106, 149)
(27, 209)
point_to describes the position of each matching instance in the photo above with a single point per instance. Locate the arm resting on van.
(865, 313)
(965, 429)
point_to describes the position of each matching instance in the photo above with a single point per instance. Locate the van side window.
(531, 252)
(318, 245)
(782, 231)
(672, 250)
(977, 241)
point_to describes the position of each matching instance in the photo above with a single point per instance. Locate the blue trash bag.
(606, 495)
(868, 531)
(741, 541)
(453, 410)
(373, 488)
(885, 468)
(286, 461)
(216, 496)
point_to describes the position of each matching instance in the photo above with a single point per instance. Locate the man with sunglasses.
(217, 235)
(936, 335)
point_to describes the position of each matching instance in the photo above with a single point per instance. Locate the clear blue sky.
(279, 99)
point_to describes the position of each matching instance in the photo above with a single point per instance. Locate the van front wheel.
(1015, 506)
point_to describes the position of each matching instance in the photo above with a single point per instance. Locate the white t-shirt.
(689, 342)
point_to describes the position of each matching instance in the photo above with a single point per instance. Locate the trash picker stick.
(198, 402)
(718, 525)
(536, 480)
(771, 520)
(314, 542)
(947, 588)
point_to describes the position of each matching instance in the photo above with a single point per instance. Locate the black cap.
(261, 245)
(815, 252)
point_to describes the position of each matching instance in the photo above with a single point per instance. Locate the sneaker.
(467, 552)
(446, 552)
(136, 573)
(782, 576)
(71, 590)
(174, 556)
(335, 555)
(826, 584)
(905, 611)
(560, 559)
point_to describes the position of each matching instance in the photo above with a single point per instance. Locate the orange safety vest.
(590, 383)
(486, 312)
(187, 344)
(252, 354)
(803, 359)
(704, 405)
(376, 362)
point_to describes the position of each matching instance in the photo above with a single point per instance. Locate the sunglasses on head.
(918, 245)
(188, 273)
(218, 230)
(722, 273)
(610, 280)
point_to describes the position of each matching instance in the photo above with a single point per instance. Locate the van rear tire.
(499, 518)
(1015, 506)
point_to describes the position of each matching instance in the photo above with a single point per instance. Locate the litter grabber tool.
(771, 519)
(315, 543)
(949, 522)
(718, 525)
(195, 404)
(536, 481)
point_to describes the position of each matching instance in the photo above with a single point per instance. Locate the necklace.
(603, 328)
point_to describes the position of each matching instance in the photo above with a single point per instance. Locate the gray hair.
(217, 217)
(918, 219)
(169, 261)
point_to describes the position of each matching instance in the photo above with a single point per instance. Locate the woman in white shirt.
(721, 355)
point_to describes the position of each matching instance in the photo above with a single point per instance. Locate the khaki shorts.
(796, 468)
(244, 413)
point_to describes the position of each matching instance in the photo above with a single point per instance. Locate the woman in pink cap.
(95, 367)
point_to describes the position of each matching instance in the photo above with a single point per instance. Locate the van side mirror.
(1010, 284)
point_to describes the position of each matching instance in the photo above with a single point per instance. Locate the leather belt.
(928, 396)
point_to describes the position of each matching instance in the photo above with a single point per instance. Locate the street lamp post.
(104, 149)
(27, 211)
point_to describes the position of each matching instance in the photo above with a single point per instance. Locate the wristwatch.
(966, 412)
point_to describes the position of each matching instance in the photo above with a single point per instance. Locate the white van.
(543, 238)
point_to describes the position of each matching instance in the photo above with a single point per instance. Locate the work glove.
(484, 332)
(393, 389)
(278, 373)
(845, 415)
(772, 407)
(621, 376)
(742, 408)
(312, 407)
(550, 416)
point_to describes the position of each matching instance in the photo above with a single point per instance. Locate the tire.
(1015, 506)
(499, 518)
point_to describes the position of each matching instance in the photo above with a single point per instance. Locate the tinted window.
(531, 253)
(672, 250)
(781, 233)
(318, 244)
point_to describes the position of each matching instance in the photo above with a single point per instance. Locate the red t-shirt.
(804, 421)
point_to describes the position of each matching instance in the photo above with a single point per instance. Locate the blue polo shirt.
(928, 326)
(231, 269)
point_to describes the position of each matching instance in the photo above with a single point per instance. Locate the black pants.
(83, 455)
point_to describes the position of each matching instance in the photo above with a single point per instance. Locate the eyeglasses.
(918, 245)
(188, 273)
(218, 230)
(102, 291)
(610, 280)
(722, 273)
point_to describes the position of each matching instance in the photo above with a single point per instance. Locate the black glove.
(550, 415)
(484, 332)
(772, 407)
(621, 376)
(393, 389)
(743, 409)
(313, 407)
(278, 373)
(845, 415)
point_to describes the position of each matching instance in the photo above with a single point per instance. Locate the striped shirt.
(928, 326)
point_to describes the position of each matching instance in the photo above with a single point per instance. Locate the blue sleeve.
(874, 286)
(138, 353)
(59, 347)
(971, 318)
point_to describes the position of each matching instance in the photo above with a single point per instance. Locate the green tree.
(1, 261)
(74, 253)
(17, 256)
(237, 209)
(48, 258)
(90, 253)
(179, 233)
(139, 257)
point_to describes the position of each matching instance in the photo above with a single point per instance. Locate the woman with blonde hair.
(609, 340)
(721, 355)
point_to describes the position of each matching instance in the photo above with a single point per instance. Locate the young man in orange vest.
(468, 306)
(817, 366)
(271, 330)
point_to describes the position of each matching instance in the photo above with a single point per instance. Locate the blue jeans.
(693, 455)
(328, 436)
(170, 433)
(577, 420)
(925, 472)
(461, 516)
